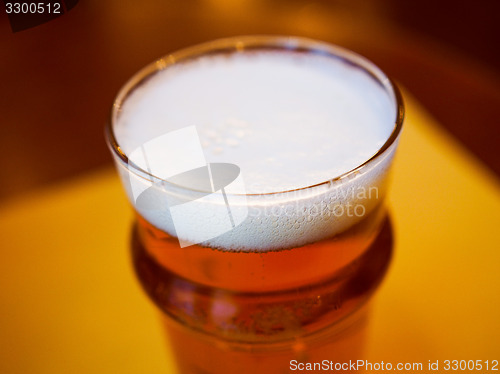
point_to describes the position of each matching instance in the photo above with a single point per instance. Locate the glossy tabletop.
(70, 303)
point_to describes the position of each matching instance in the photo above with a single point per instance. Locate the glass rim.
(239, 44)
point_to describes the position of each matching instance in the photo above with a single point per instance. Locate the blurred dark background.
(58, 80)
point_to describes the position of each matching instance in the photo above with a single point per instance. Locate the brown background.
(58, 80)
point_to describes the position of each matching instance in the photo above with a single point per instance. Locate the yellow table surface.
(70, 303)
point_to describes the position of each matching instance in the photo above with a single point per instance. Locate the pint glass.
(257, 168)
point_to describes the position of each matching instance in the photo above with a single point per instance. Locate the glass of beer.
(257, 168)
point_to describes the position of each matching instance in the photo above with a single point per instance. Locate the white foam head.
(289, 120)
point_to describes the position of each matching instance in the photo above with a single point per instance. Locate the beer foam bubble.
(288, 120)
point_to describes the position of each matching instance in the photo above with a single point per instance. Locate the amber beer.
(261, 275)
